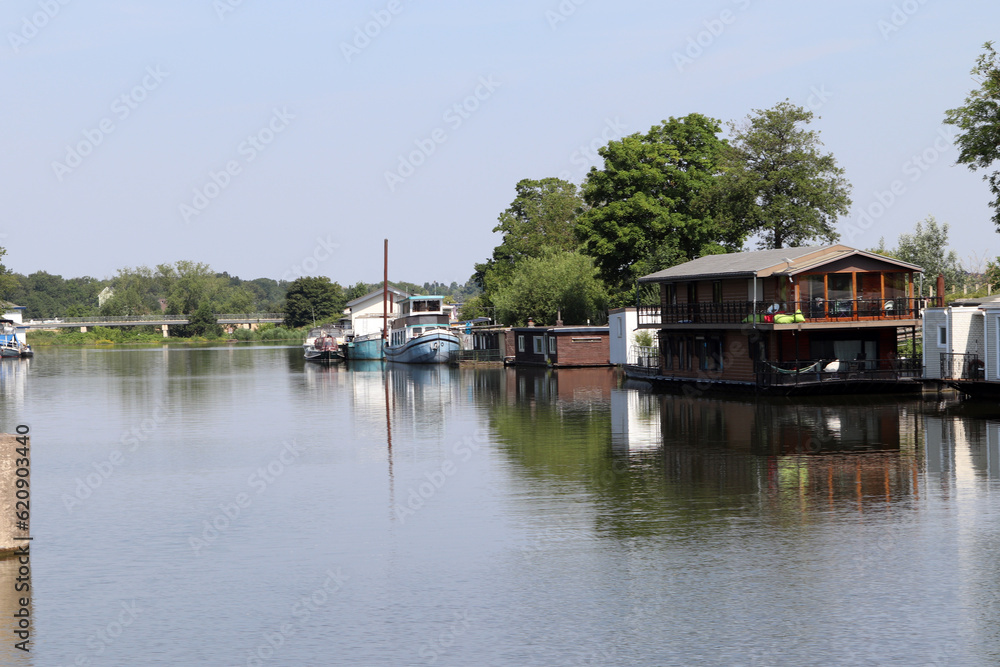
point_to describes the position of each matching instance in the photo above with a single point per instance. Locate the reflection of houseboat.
(420, 335)
(824, 319)
(12, 342)
(960, 345)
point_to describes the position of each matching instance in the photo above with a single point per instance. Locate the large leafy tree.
(540, 219)
(978, 122)
(648, 203)
(557, 282)
(313, 300)
(778, 185)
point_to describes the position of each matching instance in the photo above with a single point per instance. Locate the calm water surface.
(234, 506)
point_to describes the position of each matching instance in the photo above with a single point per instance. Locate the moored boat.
(324, 343)
(421, 335)
(369, 347)
(12, 342)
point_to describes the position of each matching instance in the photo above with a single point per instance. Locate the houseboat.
(961, 345)
(792, 320)
(421, 334)
(12, 340)
(566, 346)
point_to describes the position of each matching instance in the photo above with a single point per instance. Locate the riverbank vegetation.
(146, 335)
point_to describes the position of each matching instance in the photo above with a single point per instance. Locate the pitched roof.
(759, 263)
(378, 292)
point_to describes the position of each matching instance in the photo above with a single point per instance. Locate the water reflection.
(13, 374)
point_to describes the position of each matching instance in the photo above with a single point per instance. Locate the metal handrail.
(768, 312)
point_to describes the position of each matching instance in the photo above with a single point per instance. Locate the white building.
(623, 324)
(365, 312)
(962, 341)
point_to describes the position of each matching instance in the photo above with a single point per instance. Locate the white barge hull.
(434, 347)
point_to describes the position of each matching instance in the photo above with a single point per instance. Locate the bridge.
(228, 320)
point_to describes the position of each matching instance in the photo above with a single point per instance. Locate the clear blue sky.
(115, 113)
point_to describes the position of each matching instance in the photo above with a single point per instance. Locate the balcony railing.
(770, 374)
(961, 366)
(817, 310)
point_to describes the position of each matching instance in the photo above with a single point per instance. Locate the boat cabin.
(788, 316)
(418, 315)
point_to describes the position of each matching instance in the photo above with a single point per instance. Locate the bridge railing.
(238, 317)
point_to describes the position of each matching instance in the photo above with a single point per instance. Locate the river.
(236, 506)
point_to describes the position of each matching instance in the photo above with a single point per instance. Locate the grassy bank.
(141, 335)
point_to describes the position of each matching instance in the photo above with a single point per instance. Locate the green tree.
(559, 281)
(8, 281)
(777, 184)
(648, 202)
(136, 292)
(978, 122)
(927, 247)
(312, 301)
(540, 219)
(203, 322)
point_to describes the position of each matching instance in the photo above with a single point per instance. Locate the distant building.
(12, 312)
(104, 295)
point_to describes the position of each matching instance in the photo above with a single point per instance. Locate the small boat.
(12, 343)
(421, 335)
(324, 343)
(368, 347)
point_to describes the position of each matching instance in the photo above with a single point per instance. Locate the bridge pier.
(166, 330)
(83, 329)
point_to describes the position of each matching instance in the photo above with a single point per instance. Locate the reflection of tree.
(720, 459)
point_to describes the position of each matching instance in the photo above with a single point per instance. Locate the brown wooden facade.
(560, 346)
(799, 315)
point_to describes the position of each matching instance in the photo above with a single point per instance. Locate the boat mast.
(385, 293)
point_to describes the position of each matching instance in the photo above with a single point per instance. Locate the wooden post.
(15, 492)
(385, 294)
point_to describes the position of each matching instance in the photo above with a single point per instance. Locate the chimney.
(940, 290)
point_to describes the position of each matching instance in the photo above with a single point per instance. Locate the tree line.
(682, 190)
